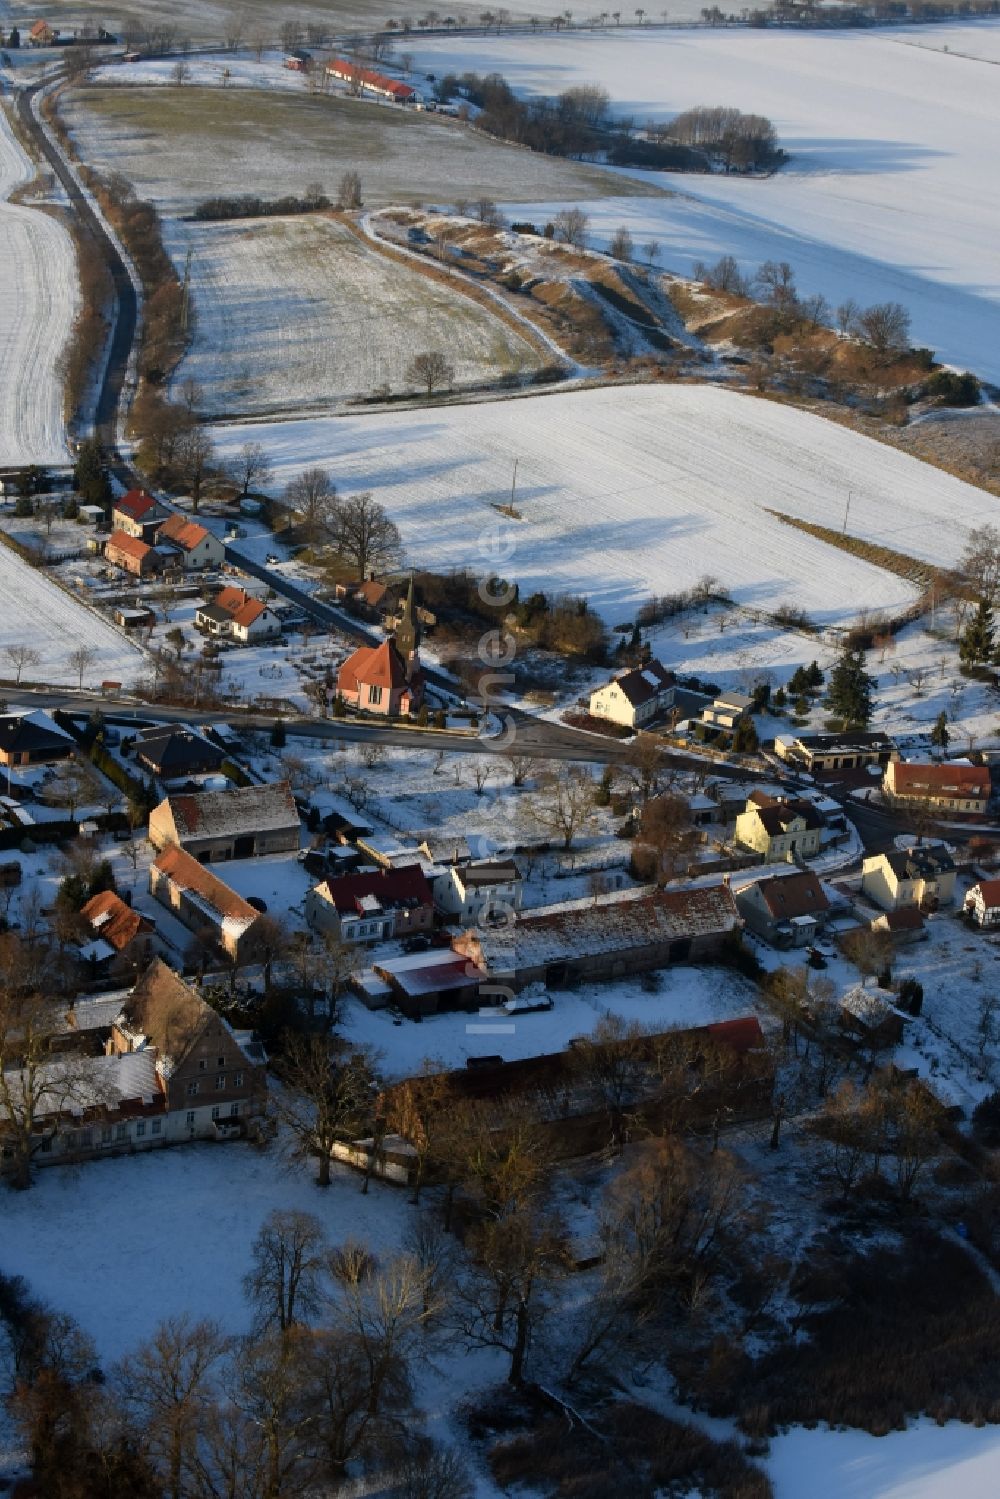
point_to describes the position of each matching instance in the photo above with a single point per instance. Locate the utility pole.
(847, 512)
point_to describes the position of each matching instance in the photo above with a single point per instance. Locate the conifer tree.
(977, 644)
(850, 692)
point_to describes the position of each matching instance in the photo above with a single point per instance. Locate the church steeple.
(407, 632)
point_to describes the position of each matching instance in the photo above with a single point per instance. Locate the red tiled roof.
(391, 887)
(241, 606)
(373, 666)
(187, 534)
(990, 892)
(135, 504)
(187, 874)
(790, 895)
(132, 546)
(948, 779)
(906, 919)
(113, 921)
(341, 68)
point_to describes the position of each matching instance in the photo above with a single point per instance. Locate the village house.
(787, 910)
(982, 904)
(120, 936)
(243, 822)
(820, 754)
(954, 786)
(634, 697)
(237, 615)
(205, 905)
(365, 908)
(386, 679)
(782, 831)
(41, 35)
(172, 751)
(868, 1014)
(209, 1073)
(30, 737)
(922, 876)
(297, 60)
(630, 931)
(193, 546)
(138, 514)
(727, 711)
(365, 80)
(138, 617)
(133, 554)
(470, 893)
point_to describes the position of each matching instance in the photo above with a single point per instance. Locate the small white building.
(193, 546)
(634, 697)
(728, 710)
(482, 891)
(982, 903)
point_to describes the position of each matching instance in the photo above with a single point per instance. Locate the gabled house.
(242, 823)
(119, 934)
(205, 905)
(953, 786)
(781, 830)
(366, 80)
(821, 754)
(192, 544)
(868, 1014)
(208, 1072)
(172, 752)
(297, 60)
(787, 910)
(904, 926)
(138, 514)
(133, 554)
(982, 903)
(372, 907)
(32, 738)
(632, 931)
(634, 697)
(237, 615)
(922, 876)
(481, 891)
(424, 983)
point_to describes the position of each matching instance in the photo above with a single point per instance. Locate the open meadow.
(299, 312)
(891, 136)
(38, 299)
(635, 490)
(179, 145)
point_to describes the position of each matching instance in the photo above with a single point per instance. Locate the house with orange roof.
(133, 554)
(204, 903)
(118, 933)
(982, 903)
(194, 545)
(41, 35)
(949, 786)
(238, 615)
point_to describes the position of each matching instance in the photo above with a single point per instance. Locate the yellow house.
(922, 876)
(783, 831)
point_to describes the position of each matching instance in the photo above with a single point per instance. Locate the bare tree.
(564, 803)
(180, 73)
(253, 468)
(327, 1095)
(194, 459)
(349, 191)
(285, 1282)
(22, 657)
(166, 1387)
(572, 226)
(313, 497)
(980, 562)
(522, 768)
(517, 1262)
(431, 370)
(622, 246)
(81, 659)
(886, 326)
(364, 535)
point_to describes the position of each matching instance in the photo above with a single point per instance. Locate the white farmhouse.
(474, 891)
(635, 697)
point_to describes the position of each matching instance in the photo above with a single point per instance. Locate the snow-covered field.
(38, 301)
(888, 194)
(639, 489)
(35, 611)
(298, 312)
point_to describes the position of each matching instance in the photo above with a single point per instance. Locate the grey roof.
(922, 861)
(489, 873)
(243, 809)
